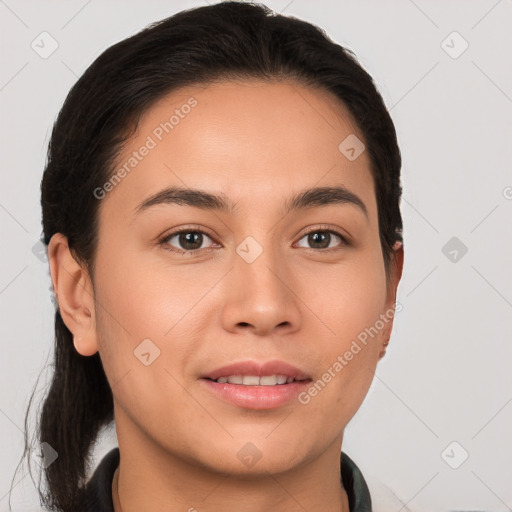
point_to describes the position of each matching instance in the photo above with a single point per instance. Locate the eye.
(187, 240)
(191, 240)
(322, 238)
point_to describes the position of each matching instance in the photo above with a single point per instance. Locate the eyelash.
(319, 229)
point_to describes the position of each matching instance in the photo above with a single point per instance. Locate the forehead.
(249, 139)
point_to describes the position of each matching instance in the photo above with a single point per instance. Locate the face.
(255, 281)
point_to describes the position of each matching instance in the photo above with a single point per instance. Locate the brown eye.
(324, 239)
(185, 240)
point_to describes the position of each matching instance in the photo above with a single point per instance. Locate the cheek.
(349, 301)
(144, 297)
(140, 302)
(348, 297)
(138, 322)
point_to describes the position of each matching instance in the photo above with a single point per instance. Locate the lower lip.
(256, 397)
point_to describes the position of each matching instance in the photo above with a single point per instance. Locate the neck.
(276, 493)
(153, 479)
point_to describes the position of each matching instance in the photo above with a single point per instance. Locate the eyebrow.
(310, 198)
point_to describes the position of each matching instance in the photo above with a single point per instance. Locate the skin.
(258, 143)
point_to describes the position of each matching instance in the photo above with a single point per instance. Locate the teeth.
(254, 380)
(248, 380)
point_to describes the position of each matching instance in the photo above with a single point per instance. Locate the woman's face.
(262, 281)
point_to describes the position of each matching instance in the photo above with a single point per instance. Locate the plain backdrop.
(433, 434)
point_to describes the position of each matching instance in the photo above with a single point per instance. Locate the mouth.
(254, 380)
(251, 385)
(246, 373)
(256, 396)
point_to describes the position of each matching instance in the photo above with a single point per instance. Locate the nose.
(259, 294)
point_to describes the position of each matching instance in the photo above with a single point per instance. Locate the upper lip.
(274, 367)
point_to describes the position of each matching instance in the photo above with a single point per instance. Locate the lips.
(253, 368)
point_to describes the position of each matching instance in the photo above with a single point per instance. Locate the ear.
(75, 295)
(395, 274)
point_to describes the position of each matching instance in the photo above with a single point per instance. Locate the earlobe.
(396, 268)
(84, 346)
(398, 253)
(383, 349)
(74, 293)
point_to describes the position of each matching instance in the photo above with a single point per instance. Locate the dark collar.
(98, 493)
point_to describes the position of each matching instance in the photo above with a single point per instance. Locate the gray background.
(447, 375)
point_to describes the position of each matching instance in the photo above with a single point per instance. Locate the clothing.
(98, 495)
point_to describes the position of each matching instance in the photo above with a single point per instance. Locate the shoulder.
(355, 485)
(97, 495)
